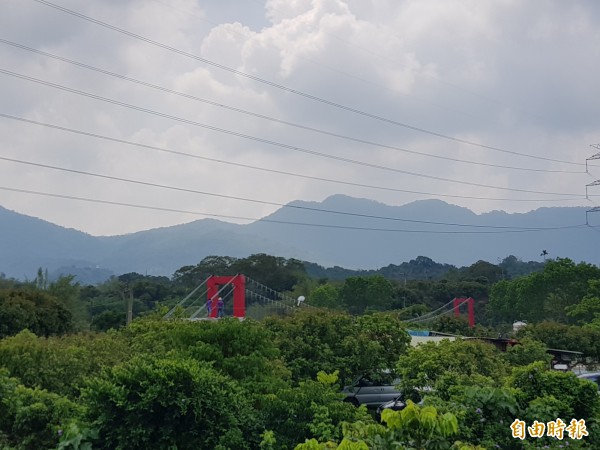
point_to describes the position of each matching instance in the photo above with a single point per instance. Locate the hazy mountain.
(457, 245)
(366, 242)
(161, 251)
(27, 243)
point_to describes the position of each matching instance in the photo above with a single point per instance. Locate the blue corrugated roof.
(418, 332)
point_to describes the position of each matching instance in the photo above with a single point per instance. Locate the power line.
(381, 57)
(347, 74)
(293, 91)
(245, 199)
(281, 172)
(276, 120)
(370, 51)
(317, 225)
(267, 141)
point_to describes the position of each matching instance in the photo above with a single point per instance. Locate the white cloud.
(506, 74)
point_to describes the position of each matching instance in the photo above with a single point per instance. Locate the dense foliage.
(415, 287)
(550, 294)
(475, 382)
(168, 403)
(72, 376)
(155, 384)
(35, 310)
(330, 341)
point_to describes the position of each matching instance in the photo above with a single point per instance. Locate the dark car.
(372, 390)
(593, 376)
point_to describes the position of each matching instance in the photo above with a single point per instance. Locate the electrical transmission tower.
(596, 156)
(594, 183)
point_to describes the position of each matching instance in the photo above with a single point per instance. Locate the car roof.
(594, 376)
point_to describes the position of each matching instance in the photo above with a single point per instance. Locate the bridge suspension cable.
(261, 300)
(431, 315)
(186, 298)
(286, 299)
(203, 307)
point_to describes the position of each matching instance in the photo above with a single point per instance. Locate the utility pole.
(594, 183)
(130, 307)
(129, 304)
(404, 274)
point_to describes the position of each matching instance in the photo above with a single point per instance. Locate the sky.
(124, 115)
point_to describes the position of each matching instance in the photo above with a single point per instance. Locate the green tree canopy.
(565, 337)
(278, 273)
(60, 364)
(169, 403)
(544, 295)
(243, 350)
(446, 363)
(320, 340)
(32, 309)
(361, 293)
(30, 419)
(588, 309)
(325, 296)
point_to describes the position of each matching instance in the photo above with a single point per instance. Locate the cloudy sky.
(233, 107)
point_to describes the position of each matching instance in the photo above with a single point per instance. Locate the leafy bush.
(32, 418)
(526, 352)
(487, 414)
(169, 403)
(448, 363)
(60, 364)
(413, 428)
(245, 350)
(311, 410)
(35, 310)
(322, 340)
(578, 398)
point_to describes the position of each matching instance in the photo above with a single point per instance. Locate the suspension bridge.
(242, 297)
(452, 307)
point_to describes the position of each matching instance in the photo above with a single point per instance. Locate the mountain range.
(339, 231)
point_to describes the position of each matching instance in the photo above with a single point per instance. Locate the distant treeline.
(424, 268)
